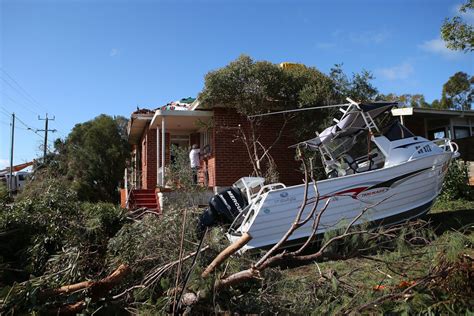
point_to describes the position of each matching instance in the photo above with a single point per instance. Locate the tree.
(93, 157)
(255, 87)
(458, 34)
(412, 100)
(458, 92)
(358, 87)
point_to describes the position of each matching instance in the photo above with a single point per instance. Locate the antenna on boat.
(303, 109)
(351, 102)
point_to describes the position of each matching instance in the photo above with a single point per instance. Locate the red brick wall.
(148, 159)
(231, 160)
(148, 143)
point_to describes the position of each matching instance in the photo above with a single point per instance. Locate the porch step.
(145, 198)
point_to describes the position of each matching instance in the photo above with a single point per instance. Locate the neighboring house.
(152, 132)
(454, 124)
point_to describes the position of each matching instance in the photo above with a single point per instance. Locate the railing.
(132, 182)
(444, 143)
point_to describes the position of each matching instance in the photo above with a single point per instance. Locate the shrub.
(456, 183)
(41, 225)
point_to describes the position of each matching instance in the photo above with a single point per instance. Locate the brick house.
(152, 132)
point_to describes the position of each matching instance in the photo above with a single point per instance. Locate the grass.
(455, 205)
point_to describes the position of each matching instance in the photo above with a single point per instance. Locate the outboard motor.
(223, 208)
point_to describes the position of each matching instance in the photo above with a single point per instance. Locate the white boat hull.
(407, 190)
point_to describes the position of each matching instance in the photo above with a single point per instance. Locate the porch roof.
(136, 125)
(180, 120)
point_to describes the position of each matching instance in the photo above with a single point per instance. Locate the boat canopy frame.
(357, 118)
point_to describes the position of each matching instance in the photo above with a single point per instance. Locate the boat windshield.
(351, 154)
(397, 131)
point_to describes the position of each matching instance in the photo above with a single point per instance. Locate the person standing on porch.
(194, 160)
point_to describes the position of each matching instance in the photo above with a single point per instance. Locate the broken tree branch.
(226, 253)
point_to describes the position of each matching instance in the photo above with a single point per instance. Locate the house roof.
(428, 112)
(138, 121)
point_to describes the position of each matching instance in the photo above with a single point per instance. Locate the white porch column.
(163, 144)
(158, 182)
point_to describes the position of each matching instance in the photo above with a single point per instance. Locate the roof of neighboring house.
(439, 112)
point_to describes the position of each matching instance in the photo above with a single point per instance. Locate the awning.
(181, 120)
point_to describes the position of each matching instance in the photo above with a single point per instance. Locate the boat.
(374, 165)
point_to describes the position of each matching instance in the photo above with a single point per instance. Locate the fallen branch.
(98, 288)
(236, 278)
(226, 253)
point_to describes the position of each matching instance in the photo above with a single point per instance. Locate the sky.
(77, 59)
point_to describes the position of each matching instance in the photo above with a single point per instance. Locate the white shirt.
(194, 158)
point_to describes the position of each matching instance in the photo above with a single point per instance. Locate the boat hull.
(390, 195)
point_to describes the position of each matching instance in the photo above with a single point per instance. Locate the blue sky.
(78, 59)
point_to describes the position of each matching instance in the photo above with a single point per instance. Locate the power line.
(27, 96)
(18, 103)
(25, 93)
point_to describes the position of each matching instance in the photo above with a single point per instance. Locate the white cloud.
(398, 72)
(438, 46)
(4, 163)
(114, 52)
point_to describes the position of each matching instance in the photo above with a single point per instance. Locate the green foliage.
(456, 182)
(357, 88)
(54, 224)
(4, 196)
(412, 100)
(180, 174)
(458, 92)
(254, 87)
(457, 33)
(92, 158)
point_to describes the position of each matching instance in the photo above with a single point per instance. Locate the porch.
(152, 137)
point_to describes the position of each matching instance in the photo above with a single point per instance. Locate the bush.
(4, 197)
(456, 183)
(51, 223)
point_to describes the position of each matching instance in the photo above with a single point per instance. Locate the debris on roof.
(181, 105)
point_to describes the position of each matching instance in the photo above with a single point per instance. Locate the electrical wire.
(22, 91)
(27, 96)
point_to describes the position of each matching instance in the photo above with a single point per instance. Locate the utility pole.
(10, 189)
(46, 130)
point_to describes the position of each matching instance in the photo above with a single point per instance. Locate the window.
(437, 133)
(205, 141)
(461, 132)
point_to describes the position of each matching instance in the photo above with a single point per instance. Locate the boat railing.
(253, 204)
(445, 144)
(269, 187)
